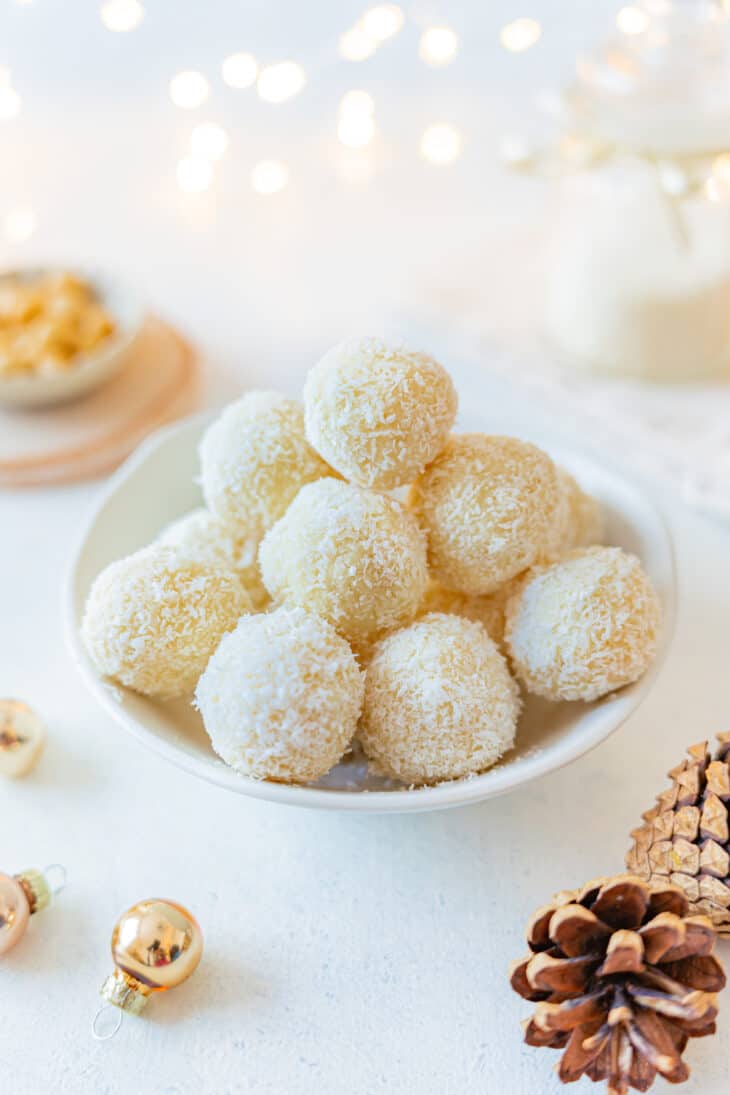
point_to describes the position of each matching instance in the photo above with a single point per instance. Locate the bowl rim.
(440, 796)
(89, 369)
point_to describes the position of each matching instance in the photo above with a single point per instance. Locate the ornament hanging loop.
(106, 1023)
(56, 876)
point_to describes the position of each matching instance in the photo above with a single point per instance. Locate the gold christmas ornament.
(156, 945)
(685, 837)
(21, 896)
(22, 738)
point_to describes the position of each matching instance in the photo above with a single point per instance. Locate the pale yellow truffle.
(488, 610)
(202, 537)
(152, 620)
(439, 702)
(254, 459)
(579, 518)
(355, 557)
(488, 505)
(281, 696)
(585, 626)
(378, 413)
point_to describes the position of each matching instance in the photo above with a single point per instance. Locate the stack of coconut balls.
(313, 601)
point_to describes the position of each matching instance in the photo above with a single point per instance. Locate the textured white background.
(344, 953)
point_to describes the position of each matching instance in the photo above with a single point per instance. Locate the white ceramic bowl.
(157, 484)
(88, 371)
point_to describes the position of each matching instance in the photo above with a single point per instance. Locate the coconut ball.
(439, 702)
(585, 626)
(152, 619)
(254, 459)
(355, 557)
(378, 413)
(281, 696)
(201, 536)
(488, 505)
(488, 611)
(579, 518)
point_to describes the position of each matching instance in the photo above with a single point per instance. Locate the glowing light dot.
(356, 130)
(632, 20)
(19, 224)
(714, 190)
(721, 168)
(194, 175)
(121, 15)
(520, 35)
(9, 104)
(382, 21)
(269, 177)
(438, 46)
(357, 102)
(209, 141)
(282, 81)
(356, 45)
(441, 144)
(189, 89)
(240, 70)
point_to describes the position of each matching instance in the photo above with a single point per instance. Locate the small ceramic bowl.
(158, 484)
(85, 372)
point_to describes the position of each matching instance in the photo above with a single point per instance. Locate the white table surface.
(343, 953)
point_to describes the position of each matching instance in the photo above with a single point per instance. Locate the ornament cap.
(36, 889)
(125, 992)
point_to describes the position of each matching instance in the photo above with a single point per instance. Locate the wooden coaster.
(93, 435)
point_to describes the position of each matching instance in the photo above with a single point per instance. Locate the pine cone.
(685, 838)
(623, 978)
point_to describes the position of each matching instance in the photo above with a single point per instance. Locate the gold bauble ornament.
(22, 738)
(156, 945)
(21, 896)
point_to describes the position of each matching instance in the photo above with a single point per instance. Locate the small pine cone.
(686, 836)
(622, 978)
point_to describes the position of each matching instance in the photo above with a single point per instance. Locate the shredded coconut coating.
(281, 696)
(152, 620)
(202, 537)
(578, 519)
(254, 459)
(355, 557)
(439, 702)
(378, 413)
(585, 626)
(488, 505)
(488, 610)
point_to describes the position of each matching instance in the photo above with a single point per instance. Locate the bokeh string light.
(121, 16)
(269, 177)
(441, 144)
(438, 46)
(382, 21)
(356, 45)
(189, 89)
(356, 119)
(520, 35)
(631, 20)
(209, 141)
(9, 103)
(19, 224)
(281, 81)
(240, 70)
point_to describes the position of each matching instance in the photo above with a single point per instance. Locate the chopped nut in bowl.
(61, 334)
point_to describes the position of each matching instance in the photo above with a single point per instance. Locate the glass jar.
(638, 264)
